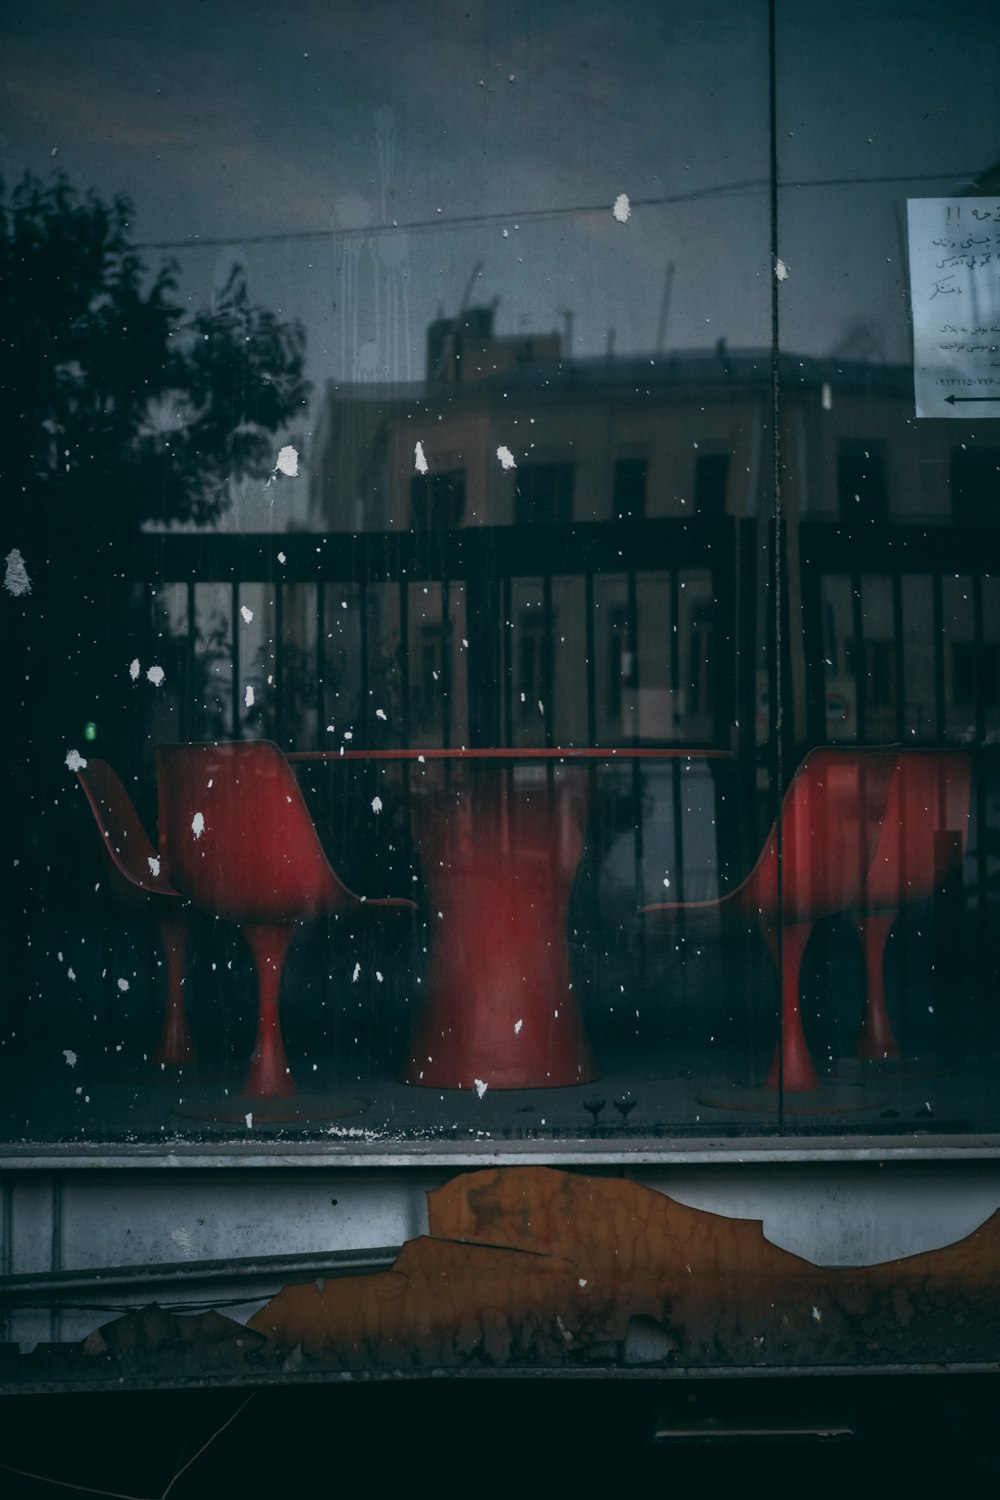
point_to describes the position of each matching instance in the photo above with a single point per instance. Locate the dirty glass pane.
(393, 604)
(887, 315)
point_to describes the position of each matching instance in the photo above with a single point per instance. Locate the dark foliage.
(116, 404)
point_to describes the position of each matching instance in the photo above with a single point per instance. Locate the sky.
(407, 155)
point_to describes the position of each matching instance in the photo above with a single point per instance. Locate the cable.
(532, 215)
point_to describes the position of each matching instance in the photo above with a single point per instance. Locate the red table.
(499, 856)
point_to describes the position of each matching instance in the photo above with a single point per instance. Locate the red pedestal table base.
(500, 1011)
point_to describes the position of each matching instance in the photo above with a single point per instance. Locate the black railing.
(479, 577)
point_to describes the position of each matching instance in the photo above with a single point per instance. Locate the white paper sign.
(955, 290)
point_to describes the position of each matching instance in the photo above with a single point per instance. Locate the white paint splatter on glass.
(16, 580)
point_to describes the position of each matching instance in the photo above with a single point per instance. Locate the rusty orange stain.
(541, 1267)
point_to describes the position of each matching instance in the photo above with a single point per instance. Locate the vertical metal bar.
(632, 625)
(590, 671)
(321, 588)
(674, 617)
(940, 709)
(777, 696)
(638, 834)
(591, 665)
(977, 656)
(364, 713)
(446, 644)
(281, 729)
(403, 588)
(812, 629)
(548, 665)
(860, 682)
(676, 797)
(234, 655)
(979, 765)
(507, 659)
(192, 628)
(899, 654)
(744, 666)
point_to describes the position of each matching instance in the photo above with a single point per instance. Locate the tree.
(111, 394)
(117, 406)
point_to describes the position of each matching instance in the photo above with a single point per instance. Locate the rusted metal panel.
(529, 1269)
(527, 1266)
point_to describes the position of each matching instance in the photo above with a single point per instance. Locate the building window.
(711, 473)
(975, 485)
(972, 670)
(543, 495)
(437, 501)
(630, 489)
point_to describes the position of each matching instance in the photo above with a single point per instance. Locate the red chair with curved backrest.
(830, 817)
(134, 871)
(238, 838)
(922, 842)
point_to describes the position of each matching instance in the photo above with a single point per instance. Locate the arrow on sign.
(951, 400)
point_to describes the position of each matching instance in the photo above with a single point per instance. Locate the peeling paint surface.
(541, 1267)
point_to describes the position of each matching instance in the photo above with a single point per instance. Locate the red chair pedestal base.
(269, 1076)
(792, 1066)
(175, 1048)
(876, 1040)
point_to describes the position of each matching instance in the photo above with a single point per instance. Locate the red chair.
(138, 881)
(922, 841)
(238, 839)
(830, 817)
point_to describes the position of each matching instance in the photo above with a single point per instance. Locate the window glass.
(891, 536)
(492, 650)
